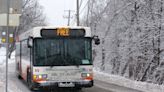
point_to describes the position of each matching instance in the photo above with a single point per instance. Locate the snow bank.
(3, 56)
(2, 65)
(121, 81)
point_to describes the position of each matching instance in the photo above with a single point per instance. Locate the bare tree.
(32, 15)
(130, 32)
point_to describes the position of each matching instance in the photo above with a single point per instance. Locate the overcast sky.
(54, 10)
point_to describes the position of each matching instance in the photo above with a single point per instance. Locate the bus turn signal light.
(41, 77)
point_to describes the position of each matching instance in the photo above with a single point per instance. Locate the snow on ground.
(2, 68)
(2, 63)
(3, 56)
(114, 79)
(121, 81)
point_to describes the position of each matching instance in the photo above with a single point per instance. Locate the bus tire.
(29, 83)
(19, 77)
(79, 89)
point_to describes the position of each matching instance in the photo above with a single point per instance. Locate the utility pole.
(87, 22)
(69, 16)
(78, 21)
(7, 42)
(10, 11)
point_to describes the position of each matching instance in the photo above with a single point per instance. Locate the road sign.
(14, 11)
(10, 11)
(11, 37)
(13, 19)
(3, 40)
(15, 6)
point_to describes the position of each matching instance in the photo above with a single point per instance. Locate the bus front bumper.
(79, 84)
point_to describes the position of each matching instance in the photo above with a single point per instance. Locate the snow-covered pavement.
(2, 56)
(3, 68)
(108, 80)
(121, 81)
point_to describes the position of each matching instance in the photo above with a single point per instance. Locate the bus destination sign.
(63, 32)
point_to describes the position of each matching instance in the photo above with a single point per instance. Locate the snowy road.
(16, 85)
(20, 86)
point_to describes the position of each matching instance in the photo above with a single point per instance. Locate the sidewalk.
(2, 87)
(121, 81)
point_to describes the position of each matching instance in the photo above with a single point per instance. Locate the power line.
(78, 13)
(68, 16)
(73, 20)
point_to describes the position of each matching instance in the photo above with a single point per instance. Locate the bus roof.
(36, 31)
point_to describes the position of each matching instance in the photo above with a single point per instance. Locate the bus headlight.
(40, 76)
(87, 76)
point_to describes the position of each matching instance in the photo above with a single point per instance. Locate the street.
(21, 86)
(17, 85)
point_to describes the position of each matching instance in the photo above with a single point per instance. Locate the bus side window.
(17, 55)
(25, 51)
(17, 49)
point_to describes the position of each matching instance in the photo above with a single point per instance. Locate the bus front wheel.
(19, 77)
(29, 83)
(78, 89)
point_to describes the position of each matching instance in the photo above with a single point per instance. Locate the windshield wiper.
(45, 55)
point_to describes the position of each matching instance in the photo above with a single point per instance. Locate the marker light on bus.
(87, 76)
(41, 77)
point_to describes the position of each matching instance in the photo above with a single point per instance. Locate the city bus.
(56, 57)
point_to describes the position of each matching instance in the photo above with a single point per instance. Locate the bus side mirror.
(30, 42)
(96, 40)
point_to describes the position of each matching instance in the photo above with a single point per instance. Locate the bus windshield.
(62, 51)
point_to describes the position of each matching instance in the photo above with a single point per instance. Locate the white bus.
(55, 57)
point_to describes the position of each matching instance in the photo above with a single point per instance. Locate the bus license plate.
(66, 84)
